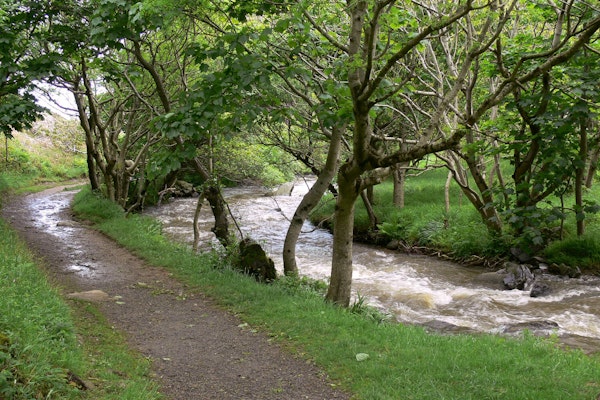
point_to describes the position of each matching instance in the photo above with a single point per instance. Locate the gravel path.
(198, 350)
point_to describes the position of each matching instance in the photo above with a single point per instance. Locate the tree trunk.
(217, 205)
(196, 217)
(579, 176)
(310, 200)
(368, 202)
(594, 157)
(340, 285)
(447, 192)
(91, 165)
(399, 185)
(212, 192)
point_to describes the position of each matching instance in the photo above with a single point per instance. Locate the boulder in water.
(538, 328)
(539, 289)
(184, 189)
(393, 245)
(521, 255)
(285, 189)
(517, 276)
(446, 327)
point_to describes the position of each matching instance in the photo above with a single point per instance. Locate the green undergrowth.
(425, 222)
(371, 359)
(29, 163)
(38, 345)
(48, 347)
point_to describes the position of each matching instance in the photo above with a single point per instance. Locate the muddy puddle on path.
(414, 289)
(46, 220)
(50, 219)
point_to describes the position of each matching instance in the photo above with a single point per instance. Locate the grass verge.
(47, 346)
(38, 346)
(372, 360)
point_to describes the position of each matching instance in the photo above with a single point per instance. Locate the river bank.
(412, 288)
(376, 361)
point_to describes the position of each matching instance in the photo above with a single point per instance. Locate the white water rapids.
(414, 289)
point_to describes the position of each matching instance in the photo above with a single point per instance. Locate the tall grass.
(404, 362)
(24, 164)
(38, 345)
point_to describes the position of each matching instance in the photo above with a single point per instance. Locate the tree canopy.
(354, 91)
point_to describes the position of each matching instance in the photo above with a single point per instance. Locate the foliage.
(42, 340)
(17, 113)
(461, 233)
(23, 61)
(361, 308)
(35, 154)
(295, 284)
(162, 87)
(96, 207)
(239, 162)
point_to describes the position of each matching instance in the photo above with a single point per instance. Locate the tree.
(22, 62)
(317, 106)
(535, 127)
(375, 48)
(127, 67)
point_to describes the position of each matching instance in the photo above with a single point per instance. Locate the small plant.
(360, 307)
(295, 284)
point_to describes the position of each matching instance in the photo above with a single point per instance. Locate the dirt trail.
(198, 350)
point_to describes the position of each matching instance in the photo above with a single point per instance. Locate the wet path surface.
(198, 351)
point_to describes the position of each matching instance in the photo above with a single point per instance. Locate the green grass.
(26, 167)
(40, 346)
(43, 340)
(404, 362)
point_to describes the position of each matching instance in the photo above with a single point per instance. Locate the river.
(412, 288)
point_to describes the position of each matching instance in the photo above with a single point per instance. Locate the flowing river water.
(412, 288)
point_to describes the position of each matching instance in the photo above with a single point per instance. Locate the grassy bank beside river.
(457, 232)
(371, 359)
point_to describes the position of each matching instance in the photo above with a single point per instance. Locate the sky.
(57, 100)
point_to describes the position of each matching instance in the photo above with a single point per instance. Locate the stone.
(520, 254)
(254, 261)
(517, 276)
(564, 270)
(284, 189)
(184, 189)
(90, 295)
(393, 245)
(538, 328)
(539, 289)
(445, 327)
